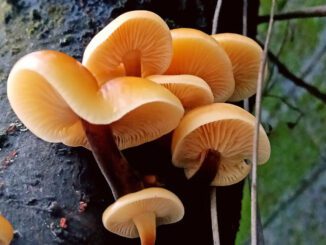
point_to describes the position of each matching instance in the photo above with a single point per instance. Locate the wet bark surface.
(53, 194)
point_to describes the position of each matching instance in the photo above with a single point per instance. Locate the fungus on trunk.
(197, 53)
(59, 100)
(245, 55)
(137, 43)
(151, 206)
(191, 90)
(51, 92)
(222, 129)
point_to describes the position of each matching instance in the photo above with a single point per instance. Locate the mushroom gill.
(139, 42)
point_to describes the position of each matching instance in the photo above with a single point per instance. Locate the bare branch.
(318, 11)
(261, 75)
(286, 102)
(216, 16)
(214, 217)
(296, 80)
(245, 32)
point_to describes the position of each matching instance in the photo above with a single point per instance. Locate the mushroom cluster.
(136, 80)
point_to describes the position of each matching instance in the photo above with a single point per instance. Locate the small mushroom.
(197, 53)
(6, 231)
(191, 90)
(223, 130)
(60, 101)
(137, 214)
(137, 43)
(245, 55)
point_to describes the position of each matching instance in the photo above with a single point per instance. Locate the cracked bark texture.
(41, 183)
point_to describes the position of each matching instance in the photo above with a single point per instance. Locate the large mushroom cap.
(245, 55)
(139, 41)
(191, 90)
(197, 53)
(6, 231)
(50, 91)
(119, 217)
(225, 128)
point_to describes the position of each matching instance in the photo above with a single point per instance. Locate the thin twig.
(245, 33)
(314, 60)
(314, 91)
(287, 103)
(247, 108)
(261, 76)
(260, 229)
(214, 218)
(245, 18)
(318, 11)
(216, 16)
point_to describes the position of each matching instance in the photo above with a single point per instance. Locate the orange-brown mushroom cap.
(138, 214)
(225, 128)
(50, 91)
(138, 41)
(245, 55)
(197, 53)
(6, 231)
(191, 90)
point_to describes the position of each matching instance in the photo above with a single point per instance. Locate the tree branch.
(296, 80)
(254, 182)
(318, 11)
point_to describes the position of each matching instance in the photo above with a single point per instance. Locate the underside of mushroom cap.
(140, 39)
(191, 90)
(226, 128)
(6, 231)
(118, 217)
(50, 91)
(245, 55)
(197, 53)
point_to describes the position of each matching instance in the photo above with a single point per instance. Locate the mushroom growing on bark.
(224, 131)
(137, 43)
(151, 206)
(191, 90)
(6, 231)
(59, 100)
(245, 55)
(197, 53)
(51, 93)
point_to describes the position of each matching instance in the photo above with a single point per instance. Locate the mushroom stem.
(208, 169)
(204, 176)
(120, 176)
(146, 226)
(132, 63)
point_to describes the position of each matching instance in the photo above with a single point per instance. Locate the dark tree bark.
(41, 183)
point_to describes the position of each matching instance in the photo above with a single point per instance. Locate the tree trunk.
(54, 194)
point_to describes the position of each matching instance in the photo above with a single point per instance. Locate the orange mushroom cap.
(50, 91)
(225, 128)
(137, 214)
(197, 53)
(245, 55)
(6, 231)
(137, 43)
(191, 90)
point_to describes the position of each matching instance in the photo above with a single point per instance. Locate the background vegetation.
(292, 185)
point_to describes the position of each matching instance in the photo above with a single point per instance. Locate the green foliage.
(297, 142)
